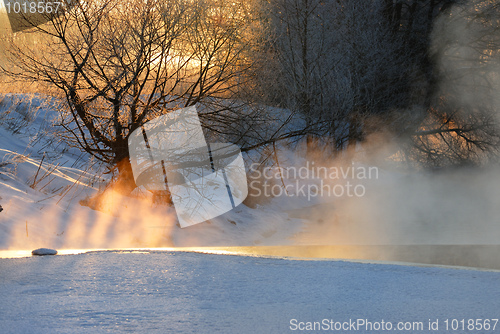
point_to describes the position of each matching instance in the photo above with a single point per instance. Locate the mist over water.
(123, 223)
(451, 215)
(448, 208)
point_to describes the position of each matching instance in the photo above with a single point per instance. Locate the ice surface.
(176, 292)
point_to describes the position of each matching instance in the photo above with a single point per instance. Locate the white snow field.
(181, 292)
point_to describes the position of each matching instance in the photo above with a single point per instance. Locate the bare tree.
(118, 64)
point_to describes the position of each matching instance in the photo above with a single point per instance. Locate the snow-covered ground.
(42, 181)
(178, 292)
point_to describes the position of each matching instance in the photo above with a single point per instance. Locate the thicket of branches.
(461, 124)
(344, 68)
(352, 68)
(118, 64)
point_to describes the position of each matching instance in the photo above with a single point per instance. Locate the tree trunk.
(123, 184)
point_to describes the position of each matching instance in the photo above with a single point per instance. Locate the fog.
(406, 213)
(449, 215)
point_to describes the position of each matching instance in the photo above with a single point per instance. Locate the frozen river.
(183, 292)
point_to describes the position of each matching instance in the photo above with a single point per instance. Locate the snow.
(180, 292)
(42, 182)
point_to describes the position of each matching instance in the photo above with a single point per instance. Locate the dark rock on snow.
(44, 251)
